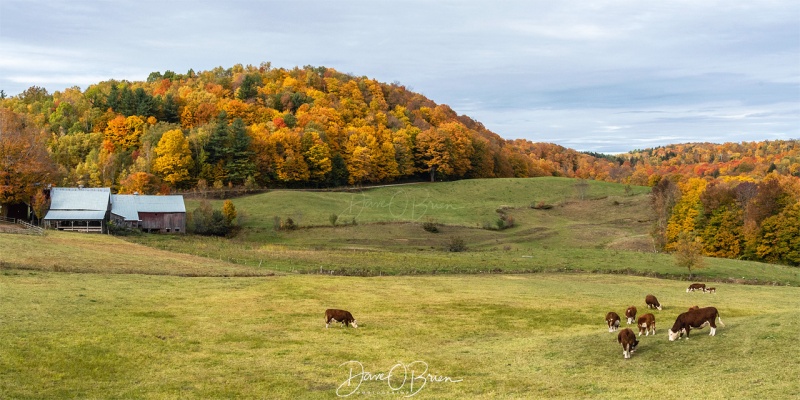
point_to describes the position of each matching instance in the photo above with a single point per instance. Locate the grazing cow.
(339, 316)
(631, 314)
(628, 340)
(696, 286)
(612, 319)
(647, 324)
(652, 302)
(711, 290)
(695, 319)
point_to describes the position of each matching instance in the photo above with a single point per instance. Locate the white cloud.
(591, 75)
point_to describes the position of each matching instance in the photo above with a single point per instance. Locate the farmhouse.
(78, 209)
(162, 214)
(90, 210)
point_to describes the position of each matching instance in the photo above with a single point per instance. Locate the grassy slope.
(136, 334)
(78, 252)
(528, 336)
(606, 232)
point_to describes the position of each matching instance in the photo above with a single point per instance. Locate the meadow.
(68, 335)
(520, 314)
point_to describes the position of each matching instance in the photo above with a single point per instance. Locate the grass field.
(518, 315)
(514, 336)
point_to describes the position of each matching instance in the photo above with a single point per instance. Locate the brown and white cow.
(695, 319)
(696, 286)
(342, 316)
(711, 290)
(630, 313)
(612, 319)
(647, 324)
(628, 340)
(652, 302)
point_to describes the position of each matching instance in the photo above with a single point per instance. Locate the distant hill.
(317, 127)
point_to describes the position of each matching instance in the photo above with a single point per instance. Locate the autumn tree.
(779, 239)
(25, 165)
(123, 133)
(445, 150)
(141, 183)
(686, 212)
(229, 211)
(688, 252)
(173, 158)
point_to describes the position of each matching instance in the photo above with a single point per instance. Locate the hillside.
(259, 126)
(602, 227)
(254, 128)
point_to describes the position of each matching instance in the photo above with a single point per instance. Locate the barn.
(155, 214)
(78, 209)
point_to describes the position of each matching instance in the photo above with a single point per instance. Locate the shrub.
(456, 244)
(120, 230)
(430, 226)
(288, 225)
(209, 222)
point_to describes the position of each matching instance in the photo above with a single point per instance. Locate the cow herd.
(694, 317)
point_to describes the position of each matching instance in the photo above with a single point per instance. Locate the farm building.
(162, 214)
(78, 209)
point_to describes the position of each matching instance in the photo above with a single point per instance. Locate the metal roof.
(125, 207)
(129, 206)
(74, 215)
(94, 199)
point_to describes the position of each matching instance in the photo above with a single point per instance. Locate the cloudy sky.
(605, 76)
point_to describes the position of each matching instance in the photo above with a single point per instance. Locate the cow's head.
(675, 335)
(354, 324)
(634, 344)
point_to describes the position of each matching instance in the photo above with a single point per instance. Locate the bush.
(430, 226)
(456, 244)
(209, 222)
(288, 225)
(120, 230)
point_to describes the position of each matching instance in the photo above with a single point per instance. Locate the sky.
(601, 76)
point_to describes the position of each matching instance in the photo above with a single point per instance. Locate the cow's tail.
(720, 319)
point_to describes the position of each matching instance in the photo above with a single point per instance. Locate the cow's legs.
(713, 332)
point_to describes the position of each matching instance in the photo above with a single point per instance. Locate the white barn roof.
(95, 199)
(129, 206)
(78, 203)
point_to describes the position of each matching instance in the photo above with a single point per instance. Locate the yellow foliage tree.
(124, 133)
(686, 212)
(173, 158)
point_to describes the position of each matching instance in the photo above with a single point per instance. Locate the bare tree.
(663, 198)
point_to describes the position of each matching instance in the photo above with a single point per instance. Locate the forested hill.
(260, 126)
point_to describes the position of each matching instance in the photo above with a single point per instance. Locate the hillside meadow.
(68, 335)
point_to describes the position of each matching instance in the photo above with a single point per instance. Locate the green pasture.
(68, 335)
(520, 314)
(468, 203)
